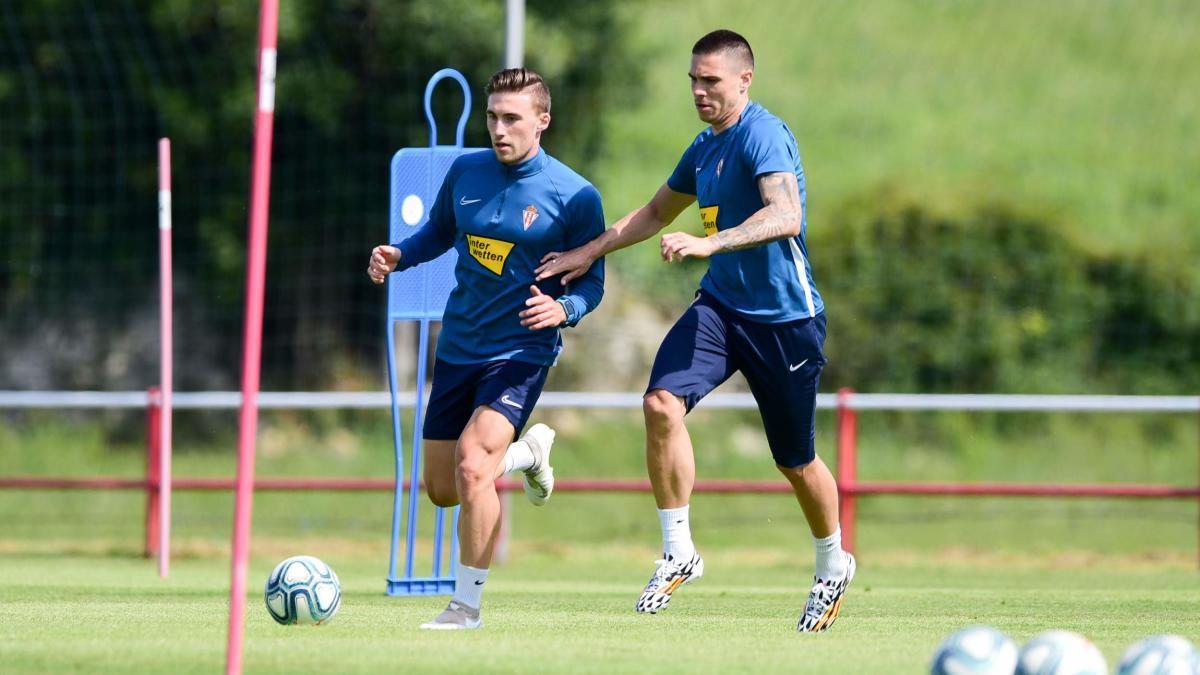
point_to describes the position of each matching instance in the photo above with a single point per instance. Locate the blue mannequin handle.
(466, 111)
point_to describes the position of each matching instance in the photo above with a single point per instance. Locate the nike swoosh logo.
(797, 366)
(466, 202)
(508, 401)
(478, 583)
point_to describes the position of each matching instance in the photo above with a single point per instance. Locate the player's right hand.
(383, 261)
(571, 265)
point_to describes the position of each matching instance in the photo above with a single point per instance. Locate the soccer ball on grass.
(975, 650)
(304, 590)
(1060, 652)
(1159, 655)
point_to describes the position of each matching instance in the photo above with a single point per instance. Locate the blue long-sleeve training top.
(502, 220)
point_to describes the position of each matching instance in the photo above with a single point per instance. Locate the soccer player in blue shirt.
(757, 311)
(502, 210)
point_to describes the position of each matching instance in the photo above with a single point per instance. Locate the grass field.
(569, 610)
(78, 598)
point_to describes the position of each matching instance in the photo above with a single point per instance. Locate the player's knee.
(802, 470)
(794, 473)
(440, 489)
(439, 483)
(473, 472)
(662, 408)
(441, 495)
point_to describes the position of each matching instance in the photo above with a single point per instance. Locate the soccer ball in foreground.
(1060, 652)
(302, 589)
(975, 650)
(1159, 655)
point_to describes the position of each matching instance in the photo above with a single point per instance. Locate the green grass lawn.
(77, 598)
(567, 610)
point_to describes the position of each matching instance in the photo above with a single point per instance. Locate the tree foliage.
(87, 87)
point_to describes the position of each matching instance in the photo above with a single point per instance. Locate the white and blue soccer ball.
(304, 590)
(975, 650)
(1159, 655)
(1060, 652)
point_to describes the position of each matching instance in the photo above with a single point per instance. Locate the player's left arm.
(779, 218)
(585, 222)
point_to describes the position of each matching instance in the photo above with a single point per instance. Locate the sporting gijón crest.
(529, 215)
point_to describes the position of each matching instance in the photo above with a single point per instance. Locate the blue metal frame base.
(422, 586)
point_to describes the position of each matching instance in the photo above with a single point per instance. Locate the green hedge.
(969, 293)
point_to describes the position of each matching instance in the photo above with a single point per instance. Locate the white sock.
(677, 533)
(469, 588)
(831, 559)
(518, 457)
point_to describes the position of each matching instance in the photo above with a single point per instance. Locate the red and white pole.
(260, 188)
(166, 342)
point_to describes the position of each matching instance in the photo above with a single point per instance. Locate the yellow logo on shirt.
(708, 216)
(491, 253)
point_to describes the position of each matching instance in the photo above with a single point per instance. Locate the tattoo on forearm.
(779, 218)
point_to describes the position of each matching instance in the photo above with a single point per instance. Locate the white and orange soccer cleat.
(825, 601)
(670, 575)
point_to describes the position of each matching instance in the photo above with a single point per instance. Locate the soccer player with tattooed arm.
(757, 311)
(502, 210)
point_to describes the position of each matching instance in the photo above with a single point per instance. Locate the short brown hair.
(725, 41)
(517, 80)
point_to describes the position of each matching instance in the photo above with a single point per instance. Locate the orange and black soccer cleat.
(825, 601)
(670, 575)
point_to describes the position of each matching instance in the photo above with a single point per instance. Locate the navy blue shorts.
(511, 388)
(781, 361)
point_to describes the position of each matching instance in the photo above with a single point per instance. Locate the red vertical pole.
(153, 438)
(847, 460)
(252, 328)
(166, 349)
